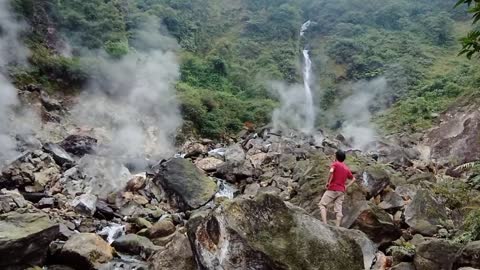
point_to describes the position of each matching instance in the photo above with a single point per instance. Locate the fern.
(467, 166)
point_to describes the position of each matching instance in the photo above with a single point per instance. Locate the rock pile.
(250, 204)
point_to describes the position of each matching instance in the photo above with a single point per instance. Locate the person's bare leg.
(338, 209)
(338, 222)
(323, 212)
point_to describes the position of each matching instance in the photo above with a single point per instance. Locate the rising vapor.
(132, 100)
(358, 127)
(12, 51)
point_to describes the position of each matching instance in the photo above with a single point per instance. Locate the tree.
(471, 42)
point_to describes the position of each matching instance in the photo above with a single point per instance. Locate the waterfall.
(307, 71)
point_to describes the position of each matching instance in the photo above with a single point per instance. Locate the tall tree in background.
(471, 43)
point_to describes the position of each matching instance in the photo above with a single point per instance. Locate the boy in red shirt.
(339, 173)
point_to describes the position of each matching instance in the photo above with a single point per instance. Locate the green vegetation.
(471, 42)
(471, 227)
(231, 49)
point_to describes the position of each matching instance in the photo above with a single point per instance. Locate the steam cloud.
(291, 114)
(11, 52)
(356, 110)
(133, 102)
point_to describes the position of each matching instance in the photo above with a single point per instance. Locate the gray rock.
(187, 185)
(436, 254)
(265, 234)
(251, 189)
(234, 172)
(135, 245)
(424, 214)
(85, 204)
(235, 154)
(59, 155)
(79, 145)
(32, 172)
(456, 137)
(24, 238)
(469, 255)
(404, 266)
(373, 221)
(418, 178)
(47, 202)
(49, 103)
(391, 201)
(11, 200)
(375, 179)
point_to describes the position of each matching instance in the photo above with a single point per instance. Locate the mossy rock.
(263, 233)
(24, 238)
(425, 213)
(312, 175)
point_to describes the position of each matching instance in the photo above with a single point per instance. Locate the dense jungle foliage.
(232, 49)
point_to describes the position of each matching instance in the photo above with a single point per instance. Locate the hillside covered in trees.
(231, 51)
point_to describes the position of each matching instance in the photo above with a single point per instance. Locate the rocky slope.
(250, 203)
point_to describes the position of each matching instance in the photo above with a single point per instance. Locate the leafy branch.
(471, 43)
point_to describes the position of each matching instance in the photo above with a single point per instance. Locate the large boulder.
(373, 221)
(264, 233)
(424, 213)
(469, 256)
(375, 179)
(436, 254)
(456, 138)
(85, 251)
(186, 185)
(176, 255)
(24, 238)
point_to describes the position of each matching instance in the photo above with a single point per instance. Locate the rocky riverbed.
(249, 203)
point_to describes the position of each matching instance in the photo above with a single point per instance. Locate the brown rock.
(176, 255)
(162, 228)
(85, 251)
(209, 164)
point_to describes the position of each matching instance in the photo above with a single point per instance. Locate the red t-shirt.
(340, 175)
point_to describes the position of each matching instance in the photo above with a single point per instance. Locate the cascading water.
(307, 71)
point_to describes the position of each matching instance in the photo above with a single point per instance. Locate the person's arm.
(351, 182)
(350, 176)
(330, 177)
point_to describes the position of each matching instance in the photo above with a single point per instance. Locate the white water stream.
(307, 73)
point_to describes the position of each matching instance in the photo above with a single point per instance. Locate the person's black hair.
(340, 156)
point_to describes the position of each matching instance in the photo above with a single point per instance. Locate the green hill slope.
(230, 50)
